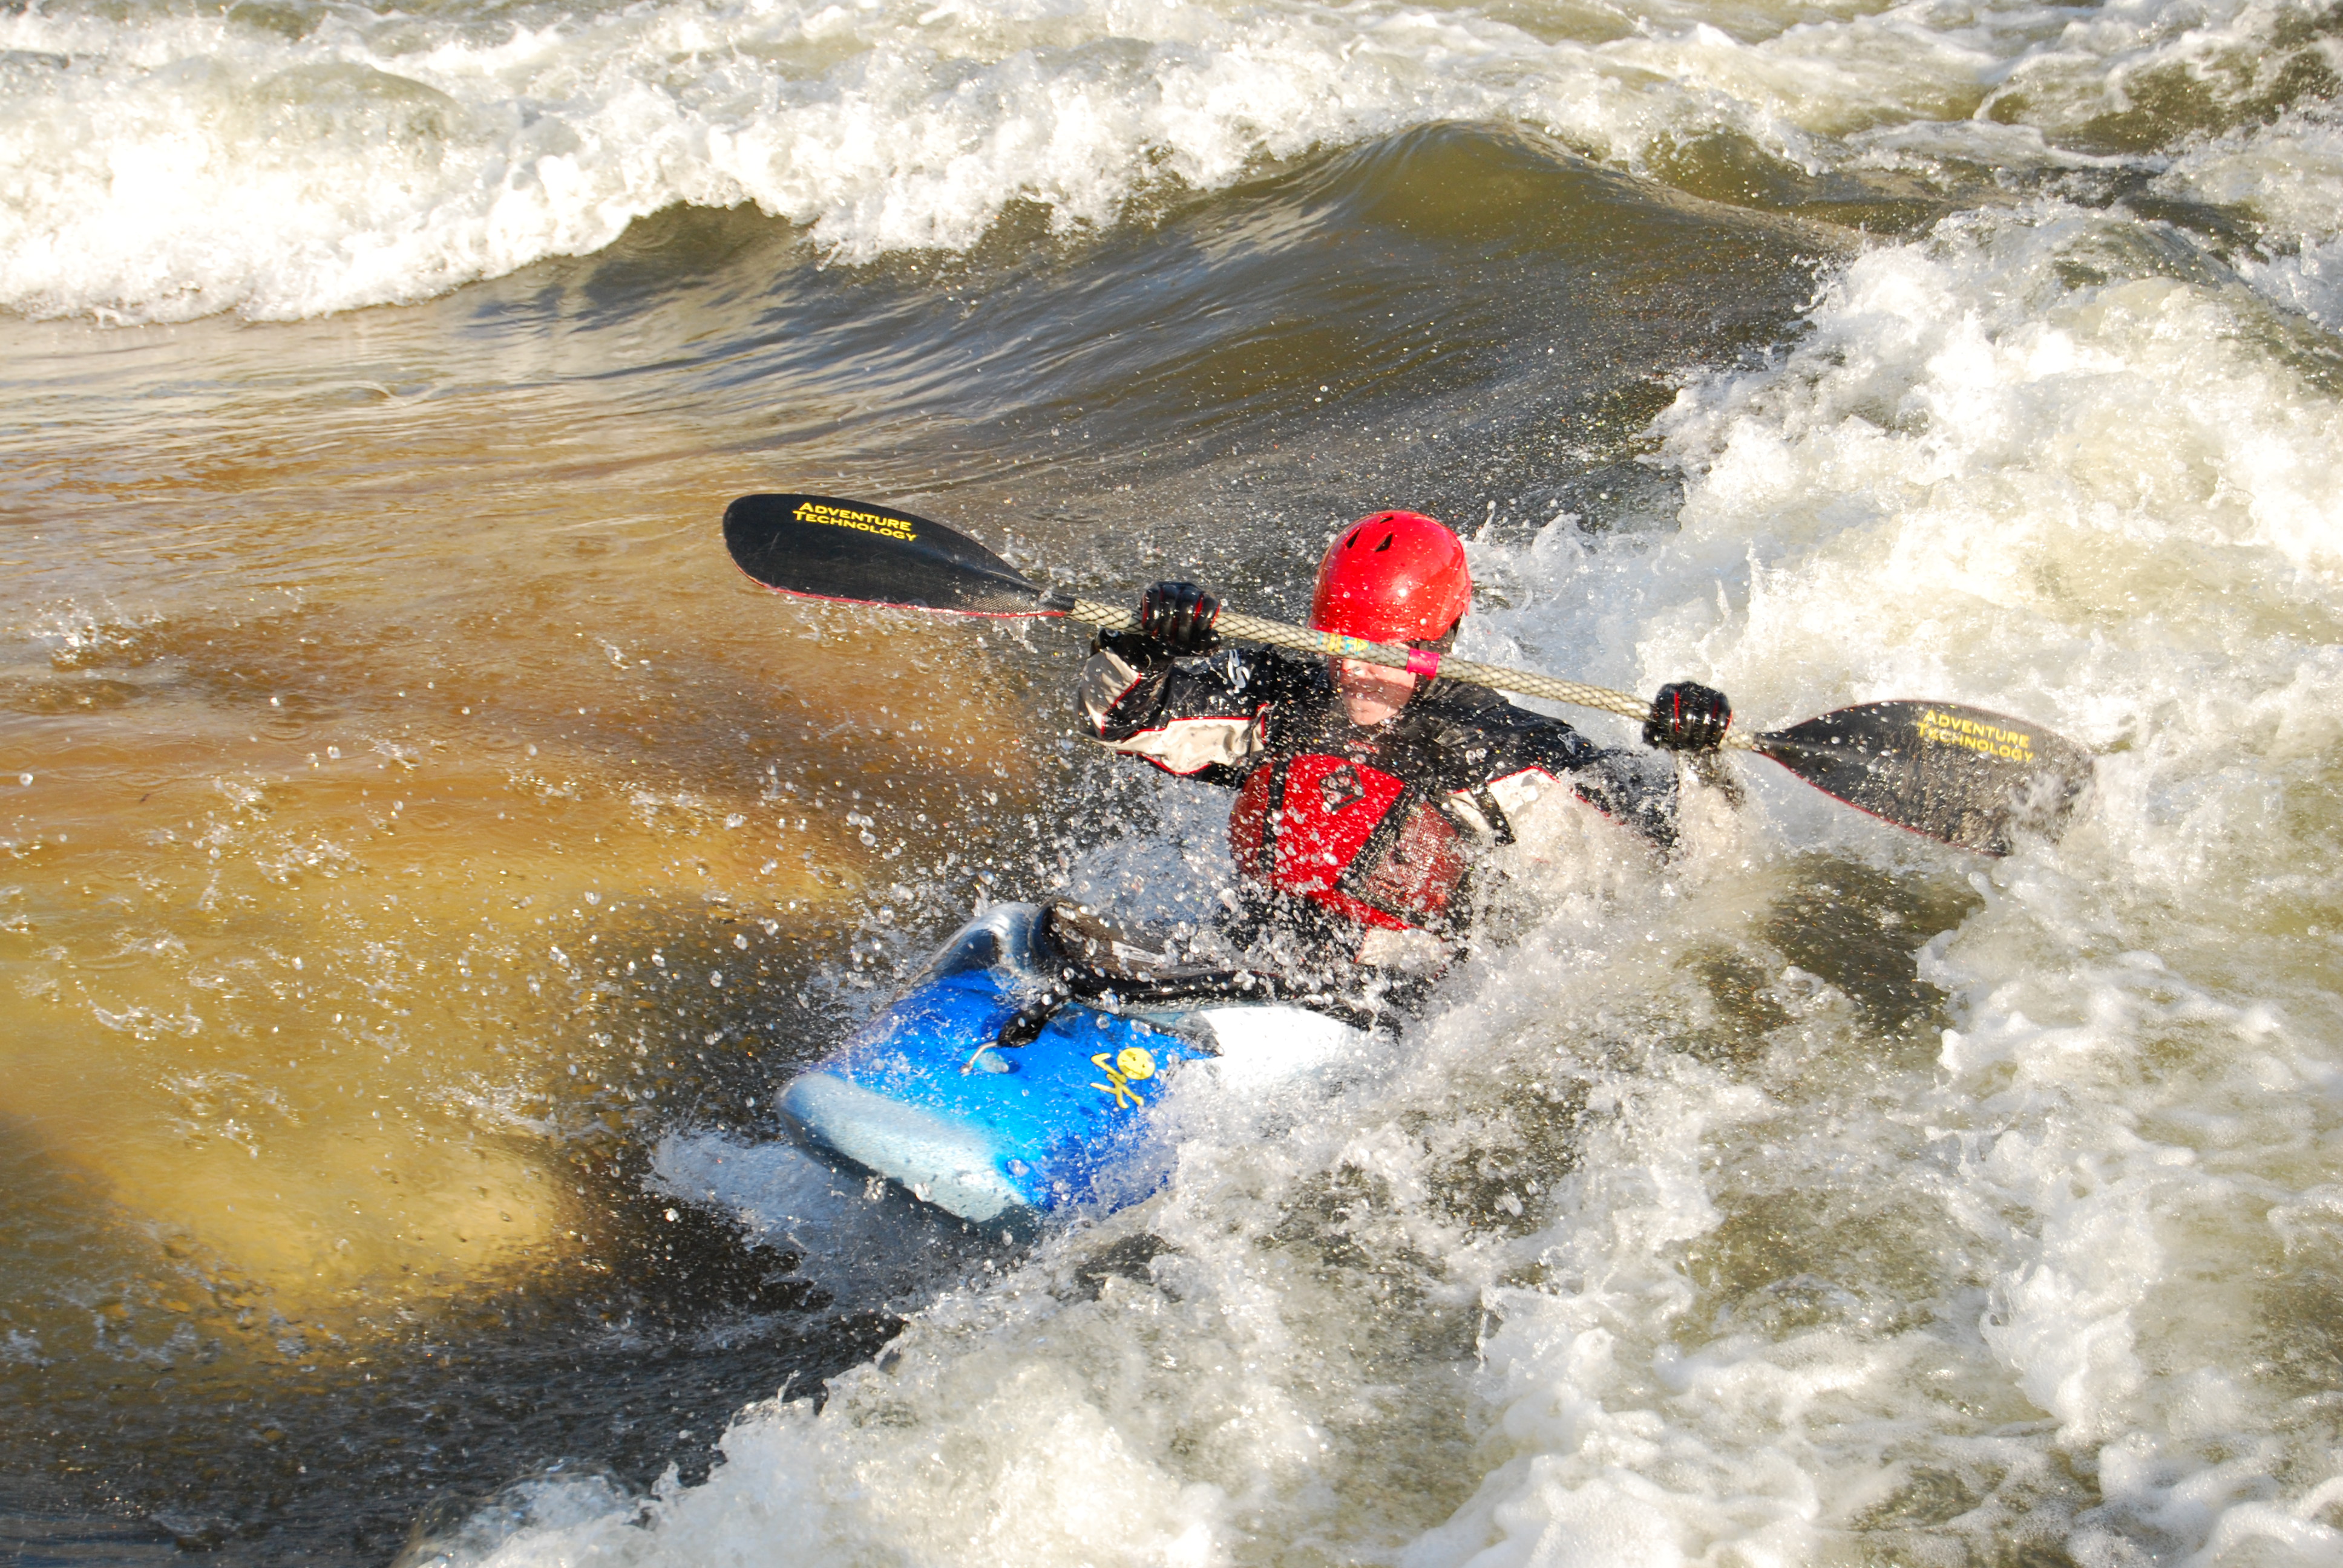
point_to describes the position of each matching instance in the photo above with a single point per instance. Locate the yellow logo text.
(1952, 730)
(846, 517)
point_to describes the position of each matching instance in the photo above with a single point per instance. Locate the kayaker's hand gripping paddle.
(1969, 778)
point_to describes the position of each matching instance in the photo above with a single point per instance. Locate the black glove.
(1177, 617)
(1688, 717)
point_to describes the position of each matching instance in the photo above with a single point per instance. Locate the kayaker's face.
(1371, 693)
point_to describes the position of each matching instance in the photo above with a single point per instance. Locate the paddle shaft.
(1332, 645)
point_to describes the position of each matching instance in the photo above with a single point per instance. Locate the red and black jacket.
(1375, 826)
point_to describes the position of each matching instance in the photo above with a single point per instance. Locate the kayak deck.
(937, 1092)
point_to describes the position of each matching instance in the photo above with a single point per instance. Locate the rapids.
(425, 857)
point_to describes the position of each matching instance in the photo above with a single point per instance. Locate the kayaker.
(1364, 793)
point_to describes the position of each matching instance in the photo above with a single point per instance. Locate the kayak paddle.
(1959, 774)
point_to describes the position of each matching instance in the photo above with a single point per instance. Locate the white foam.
(2107, 507)
(177, 165)
(2288, 177)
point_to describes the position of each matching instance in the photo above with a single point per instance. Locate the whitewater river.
(422, 857)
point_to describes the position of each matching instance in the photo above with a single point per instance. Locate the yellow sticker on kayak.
(1131, 1065)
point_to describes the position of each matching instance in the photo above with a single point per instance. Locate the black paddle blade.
(821, 547)
(1970, 777)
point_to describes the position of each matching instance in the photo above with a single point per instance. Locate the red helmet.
(1393, 576)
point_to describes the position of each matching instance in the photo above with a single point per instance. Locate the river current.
(422, 856)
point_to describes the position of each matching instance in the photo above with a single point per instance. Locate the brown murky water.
(398, 780)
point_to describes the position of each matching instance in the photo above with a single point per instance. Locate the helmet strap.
(1443, 644)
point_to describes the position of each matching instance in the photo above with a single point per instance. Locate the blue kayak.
(990, 1091)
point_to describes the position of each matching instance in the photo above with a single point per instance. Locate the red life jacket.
(1349, 837)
